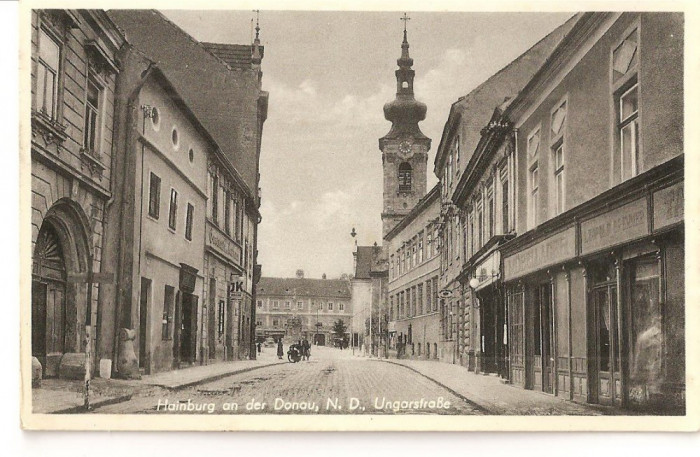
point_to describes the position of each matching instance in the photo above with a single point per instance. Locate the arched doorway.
(58, 305)
(48, 297)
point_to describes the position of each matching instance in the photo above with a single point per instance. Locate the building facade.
(370, 323)
(73, 76)
(414, 266)
(222, 328)
(594, 279)
(296, 308)
(477, 213)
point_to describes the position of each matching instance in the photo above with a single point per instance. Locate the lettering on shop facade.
(555, 249)
(668, 206)
(223, 244)
(614, 227)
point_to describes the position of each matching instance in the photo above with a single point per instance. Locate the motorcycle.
(294, 354)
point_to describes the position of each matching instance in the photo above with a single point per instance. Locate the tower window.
(404, 84)
(405, 177)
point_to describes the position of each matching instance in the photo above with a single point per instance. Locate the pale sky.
(329, 75)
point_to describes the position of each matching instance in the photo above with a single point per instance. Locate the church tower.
(404, 148)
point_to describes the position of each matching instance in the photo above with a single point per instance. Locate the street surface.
(332, 382)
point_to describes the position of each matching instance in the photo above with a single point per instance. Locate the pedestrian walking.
(280, 349)
(259, 347)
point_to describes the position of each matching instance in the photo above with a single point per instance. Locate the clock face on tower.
(405, 147)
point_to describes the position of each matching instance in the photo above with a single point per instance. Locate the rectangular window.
(275, 304)
(288, 305)
(559, 177)
(92, 110)
(534, 188)
(457, 153)
(300, 305)
(428, 296)
(341, 306)
(435, 294)
(490, 207)
(504, 205)
(275, 322)
(154, 197)
(260, 304)
(628, 126)
(168, 307)
(420, 299)
(188, 221)
(330, 306)
(215, 199)
(558, 123)
(172, 218)
(420, 248)
(47, 75)
(227, 213)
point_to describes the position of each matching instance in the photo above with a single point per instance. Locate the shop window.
(154, 196)
(646, 374)
(47, 74)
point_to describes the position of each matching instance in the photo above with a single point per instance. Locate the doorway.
(48, 301)
(606, 361)
(188, 336)
(143, 323)
(543, 338)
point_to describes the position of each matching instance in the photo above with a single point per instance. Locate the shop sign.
(223, 244)
(555, 249)
(614, 227)
(668, 206)
(488, 271)
(236, 288)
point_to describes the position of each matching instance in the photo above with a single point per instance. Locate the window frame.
(189, 221)
(96, 134)
(172, 210)
(557, 142)
(154, 200)
(40, 62)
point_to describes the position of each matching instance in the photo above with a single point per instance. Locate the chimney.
(300, 274)
(323, 276)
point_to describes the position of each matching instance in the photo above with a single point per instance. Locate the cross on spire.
(405, 20)
(257, 24)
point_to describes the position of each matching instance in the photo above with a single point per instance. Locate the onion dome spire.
(405, 111)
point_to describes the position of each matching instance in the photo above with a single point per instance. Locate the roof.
(476, 108)
(300, 287)
(235, 55)
(217, 94)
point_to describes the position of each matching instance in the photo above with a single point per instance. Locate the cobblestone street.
(332, 382)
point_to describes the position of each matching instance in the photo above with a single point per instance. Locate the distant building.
(296, 308)
(369, 287)
(414, 266)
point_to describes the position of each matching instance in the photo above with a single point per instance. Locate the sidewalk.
(495, 397)
(61, 396)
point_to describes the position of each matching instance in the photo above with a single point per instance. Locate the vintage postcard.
(400, 216)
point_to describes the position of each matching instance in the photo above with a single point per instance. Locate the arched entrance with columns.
(58, 304)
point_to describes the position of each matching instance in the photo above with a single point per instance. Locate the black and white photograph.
(241, 216)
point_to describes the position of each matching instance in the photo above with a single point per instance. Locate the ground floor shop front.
(596, 307)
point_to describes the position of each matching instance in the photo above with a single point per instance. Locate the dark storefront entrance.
(494, 348)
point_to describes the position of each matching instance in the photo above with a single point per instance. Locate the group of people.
(302, 346)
